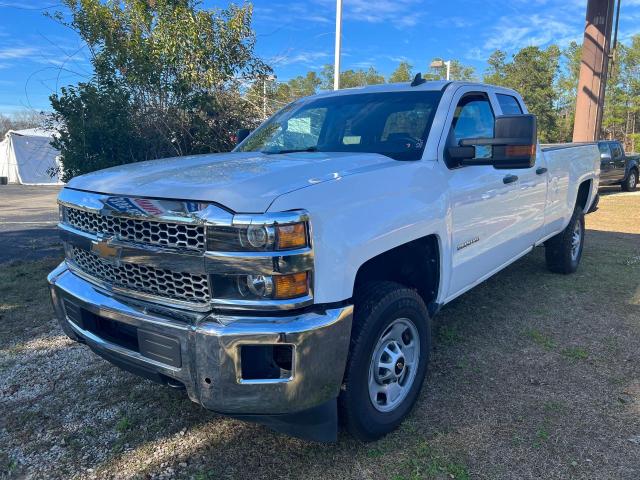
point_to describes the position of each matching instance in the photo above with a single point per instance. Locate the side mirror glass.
(605, 157)
(513, 144)
(241, 135)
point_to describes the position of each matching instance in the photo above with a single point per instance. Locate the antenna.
(418, 80)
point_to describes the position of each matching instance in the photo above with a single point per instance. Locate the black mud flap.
(594, 204)
(318, 424)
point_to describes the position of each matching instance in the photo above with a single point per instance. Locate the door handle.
(541, 170)
(510, 179)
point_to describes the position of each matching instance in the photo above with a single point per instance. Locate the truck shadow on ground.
(29, 243)
(521, 369)
(613, 190)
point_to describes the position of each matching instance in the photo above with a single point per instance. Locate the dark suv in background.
(617, 168)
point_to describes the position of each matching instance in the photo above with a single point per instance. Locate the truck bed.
(547, 147)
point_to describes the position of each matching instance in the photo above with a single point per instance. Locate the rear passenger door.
(532, 185)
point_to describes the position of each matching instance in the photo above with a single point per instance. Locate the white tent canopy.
(27, 157)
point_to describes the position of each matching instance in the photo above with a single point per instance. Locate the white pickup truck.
(292, 281)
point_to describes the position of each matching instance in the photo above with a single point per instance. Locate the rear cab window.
(509, 104)
(604, 148)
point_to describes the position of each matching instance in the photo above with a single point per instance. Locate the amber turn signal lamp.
(291, 286)
(520, 150)
(291, 236)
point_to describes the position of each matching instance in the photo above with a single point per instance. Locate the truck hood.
(245, 182)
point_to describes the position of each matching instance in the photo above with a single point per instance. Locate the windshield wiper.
(293, 150)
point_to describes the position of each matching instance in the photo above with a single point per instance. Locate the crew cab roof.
(431, 85)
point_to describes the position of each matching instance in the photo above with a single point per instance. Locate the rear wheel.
(564, 251)
(388, 359)
(629, 185)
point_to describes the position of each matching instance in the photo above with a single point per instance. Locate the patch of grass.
(24, 300)
(374, 453)
(542, 435)
(123, 425)
(12, 465)
(448, 335)
(426, 462)
(541, 339)
(209, 475)
(554, 406)
(575, 353)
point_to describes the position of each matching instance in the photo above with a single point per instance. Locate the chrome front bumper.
(208, 348)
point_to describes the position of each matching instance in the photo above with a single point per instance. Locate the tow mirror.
(241, 135)
(513, 144)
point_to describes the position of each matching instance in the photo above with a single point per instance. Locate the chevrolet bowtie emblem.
(103, 248)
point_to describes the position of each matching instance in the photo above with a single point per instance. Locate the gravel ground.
(534, 375)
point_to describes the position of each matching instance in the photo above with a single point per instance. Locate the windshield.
(395, 124)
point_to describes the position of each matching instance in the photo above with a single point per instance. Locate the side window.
(473, 118)
(509, 104)
(616, 150)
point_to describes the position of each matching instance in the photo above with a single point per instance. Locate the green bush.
(167, 81)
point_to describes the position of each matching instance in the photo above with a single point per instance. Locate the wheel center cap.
(399, 366)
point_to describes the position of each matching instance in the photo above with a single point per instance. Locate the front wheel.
(564, 251)
(388, 359)
(629, 185)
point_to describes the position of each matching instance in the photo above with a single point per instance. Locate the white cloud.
(303, 58)
(9, 53)
(399, 13)
(537, 30)
(291, 14)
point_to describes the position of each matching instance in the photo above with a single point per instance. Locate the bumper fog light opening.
(266, 362)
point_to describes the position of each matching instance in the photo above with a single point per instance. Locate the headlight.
(261, 287)
(258, 237)
(265, 259)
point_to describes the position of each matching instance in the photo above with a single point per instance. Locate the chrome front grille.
(164, 283)
(165, 234)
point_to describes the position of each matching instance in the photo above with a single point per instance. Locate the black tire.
(629, 183)
(559, 250)
(377, 306)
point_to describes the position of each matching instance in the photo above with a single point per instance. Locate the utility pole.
(265, 79)
(264, 98)
(336, 65)
(448, 64)
(593, 70)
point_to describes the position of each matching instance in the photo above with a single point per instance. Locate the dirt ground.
(534, 375)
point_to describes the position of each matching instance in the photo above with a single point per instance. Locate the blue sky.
(38, 56)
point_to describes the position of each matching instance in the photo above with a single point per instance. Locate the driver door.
(484, 200)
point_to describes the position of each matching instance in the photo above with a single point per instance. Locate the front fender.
(358, 217)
